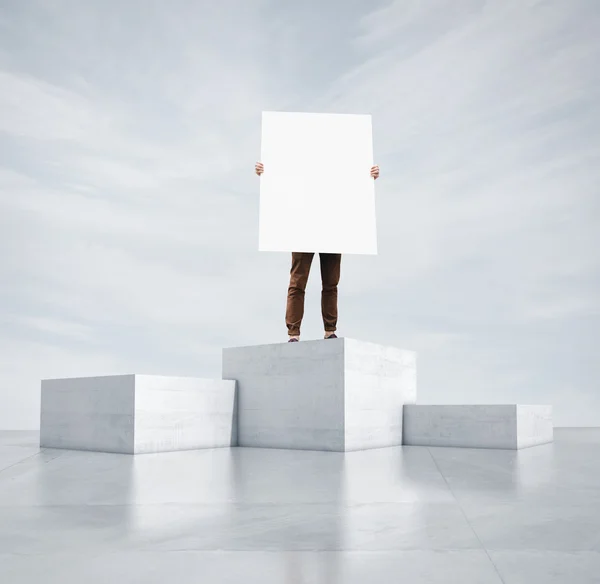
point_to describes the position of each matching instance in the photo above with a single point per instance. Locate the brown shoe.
(333, 336)
(293, 340)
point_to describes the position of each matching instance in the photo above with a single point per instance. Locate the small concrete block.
(508, 427)
(88, 413)
(135, 414)
(183, 413)
(328, 394)
(534, 425)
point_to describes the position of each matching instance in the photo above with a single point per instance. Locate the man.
(330, 276)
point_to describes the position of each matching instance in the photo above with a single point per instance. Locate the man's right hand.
(259, 168)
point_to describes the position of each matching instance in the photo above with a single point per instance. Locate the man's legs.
(330, 277)
(295, 299)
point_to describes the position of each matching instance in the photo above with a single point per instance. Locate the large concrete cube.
(328, 394)
(136, 414)
(509, 427)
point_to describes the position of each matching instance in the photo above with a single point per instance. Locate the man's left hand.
(375, 172)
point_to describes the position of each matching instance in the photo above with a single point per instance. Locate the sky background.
(129, 207)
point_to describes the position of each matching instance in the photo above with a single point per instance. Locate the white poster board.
(316, 192)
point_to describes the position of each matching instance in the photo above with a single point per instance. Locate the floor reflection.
(303, 516)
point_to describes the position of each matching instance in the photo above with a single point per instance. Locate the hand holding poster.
(316, 192)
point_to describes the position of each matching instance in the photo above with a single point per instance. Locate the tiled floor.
(411, 514)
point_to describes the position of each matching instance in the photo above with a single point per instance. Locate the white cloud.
(32, 108)
(55, 326)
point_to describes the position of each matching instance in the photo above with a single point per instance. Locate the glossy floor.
(406, 514)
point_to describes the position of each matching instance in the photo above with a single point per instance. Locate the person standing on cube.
(330, 277)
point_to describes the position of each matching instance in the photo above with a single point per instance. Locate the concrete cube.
(508, 427)
(328, 394)
(136, 414)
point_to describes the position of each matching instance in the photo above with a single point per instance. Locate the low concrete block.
(509, 427)
(135, 414)
(328, 394)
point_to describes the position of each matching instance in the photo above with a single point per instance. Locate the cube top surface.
(322, 347)
(136, 376)
(109, 376)
(480, 405)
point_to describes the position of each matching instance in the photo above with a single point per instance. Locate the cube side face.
(461, 426)
(290, 395)
(379, 382)
(534, 425)
(88, 413)
(183, 413)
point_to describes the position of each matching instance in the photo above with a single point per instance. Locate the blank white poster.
(316, 192)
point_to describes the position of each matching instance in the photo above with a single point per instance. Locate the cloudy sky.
(129, 207)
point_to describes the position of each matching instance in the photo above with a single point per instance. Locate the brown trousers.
(330, 277)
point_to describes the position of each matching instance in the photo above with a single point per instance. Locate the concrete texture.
(244, 516)
(135, 414)
(510, 427)
(333, 395)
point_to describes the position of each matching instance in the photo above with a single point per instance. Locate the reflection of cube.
(137, 413)
(478, 426)
(329, 394)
